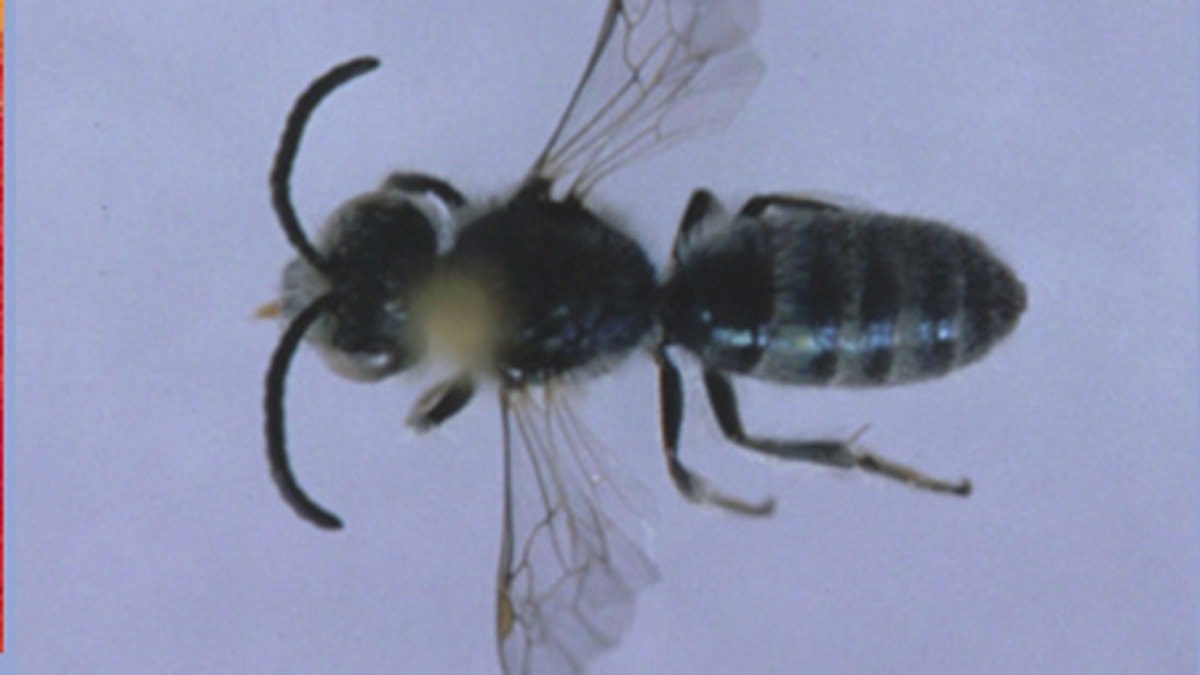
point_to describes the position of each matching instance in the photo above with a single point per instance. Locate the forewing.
(661, 71)
(574, 552)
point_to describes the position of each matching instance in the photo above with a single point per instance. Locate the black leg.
(692, 486)
(443, 401)
(833, 453)
(419, 182)
(759, 203)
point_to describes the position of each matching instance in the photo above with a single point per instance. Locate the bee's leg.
(692, 486)
(423, 183)
(723, 400)
(760, 203)
(703, 206)
(443, 401)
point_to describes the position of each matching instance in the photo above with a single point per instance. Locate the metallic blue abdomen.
(840, 297)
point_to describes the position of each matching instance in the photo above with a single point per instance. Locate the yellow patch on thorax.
(460, 319)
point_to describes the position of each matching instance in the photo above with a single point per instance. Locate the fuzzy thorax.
(460, 320)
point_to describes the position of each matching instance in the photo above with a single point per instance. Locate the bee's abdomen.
(846, 298)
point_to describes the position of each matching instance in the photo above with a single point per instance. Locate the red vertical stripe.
(2, 584)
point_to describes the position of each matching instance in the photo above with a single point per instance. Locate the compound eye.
(368, 366)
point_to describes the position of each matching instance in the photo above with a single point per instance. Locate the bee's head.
(350, 293)
(373, 252)
(376, 251)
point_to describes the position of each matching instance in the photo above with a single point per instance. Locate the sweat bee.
(535, 290)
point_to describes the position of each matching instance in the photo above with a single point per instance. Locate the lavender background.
(146, 536)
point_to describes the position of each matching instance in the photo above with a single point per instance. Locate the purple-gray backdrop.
(147, 537)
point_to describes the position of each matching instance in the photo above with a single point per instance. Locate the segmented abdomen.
(852, 298)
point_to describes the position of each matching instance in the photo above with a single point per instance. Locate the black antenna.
(281, 470)
(289, 144)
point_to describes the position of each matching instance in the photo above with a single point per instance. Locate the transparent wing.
(574, 551)
(661, 71)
